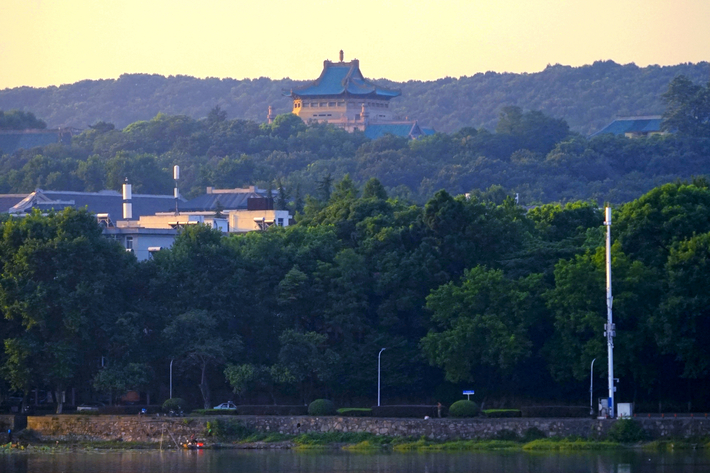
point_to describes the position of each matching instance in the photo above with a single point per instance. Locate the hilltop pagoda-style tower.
(343, 97)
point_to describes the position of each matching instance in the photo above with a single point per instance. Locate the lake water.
(269, 461)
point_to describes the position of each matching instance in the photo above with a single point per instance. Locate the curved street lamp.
(379, 355)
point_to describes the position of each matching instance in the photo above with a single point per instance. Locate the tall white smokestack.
(127, 204)
(176, 177)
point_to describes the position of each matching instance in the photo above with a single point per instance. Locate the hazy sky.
(53, 42)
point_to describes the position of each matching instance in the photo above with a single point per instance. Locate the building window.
(323, 104)
(331, 104)
(129, 242)
(280, 222)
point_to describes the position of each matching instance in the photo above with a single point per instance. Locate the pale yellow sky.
(53, 42)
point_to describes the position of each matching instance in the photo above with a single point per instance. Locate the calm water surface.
(334, 462)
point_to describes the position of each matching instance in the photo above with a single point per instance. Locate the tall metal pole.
(610, 331)
(171, 379)
(379, 355)
(591, 388)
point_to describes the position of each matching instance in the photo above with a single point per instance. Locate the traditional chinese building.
(343, 97)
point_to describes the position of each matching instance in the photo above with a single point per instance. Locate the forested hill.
(587, 97)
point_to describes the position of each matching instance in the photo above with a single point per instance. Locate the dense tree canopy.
(461, 291)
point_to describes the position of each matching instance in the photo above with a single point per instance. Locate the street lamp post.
(379, 355)
(591, 388)
(171, 379)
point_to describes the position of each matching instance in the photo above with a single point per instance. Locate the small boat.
(194, 445)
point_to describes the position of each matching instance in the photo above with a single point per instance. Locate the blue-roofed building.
(633, 127)
(343, 97)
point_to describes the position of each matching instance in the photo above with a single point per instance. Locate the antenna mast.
(609, 328)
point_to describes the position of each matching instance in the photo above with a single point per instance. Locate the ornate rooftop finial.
(341, 55)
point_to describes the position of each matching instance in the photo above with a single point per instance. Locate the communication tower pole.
(609, 328)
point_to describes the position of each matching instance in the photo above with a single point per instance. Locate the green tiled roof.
(621, 126)
(343, 78)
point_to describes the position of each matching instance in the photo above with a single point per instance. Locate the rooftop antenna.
(127, 205)
(609, 328)
(176, 177)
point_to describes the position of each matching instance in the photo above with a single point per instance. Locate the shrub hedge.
(355, 412)
(555, 411)
(271, 410)
(408, 411)
(174, 403)
(321, 407)
(463, 408)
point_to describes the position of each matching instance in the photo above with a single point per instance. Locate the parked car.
(90, 406)
(226, 405)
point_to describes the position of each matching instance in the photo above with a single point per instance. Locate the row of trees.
(589, 97)
(529, 153)
(462, 292)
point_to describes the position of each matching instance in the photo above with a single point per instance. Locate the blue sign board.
(468, 393)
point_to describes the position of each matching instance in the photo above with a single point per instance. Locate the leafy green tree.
(121, 378)
(682, 325)
(649, 226)
(578, 302)
(687, 108)
(481, 323)
(374, 189)
(142, 172)
(307, 360)
(19, 120)
(198, 337)
(58, 273)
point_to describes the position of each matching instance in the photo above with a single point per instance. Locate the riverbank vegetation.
(462, 291)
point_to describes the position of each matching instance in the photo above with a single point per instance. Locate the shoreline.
(372, 445)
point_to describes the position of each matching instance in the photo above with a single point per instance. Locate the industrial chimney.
(127, 204)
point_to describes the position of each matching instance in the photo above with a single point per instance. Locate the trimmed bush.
(174, 404)
(408, 411)
(355, 412)
(502, 413)
(321, 407)
(555, 411)
(271, 410)
(627, 431)
(463, 408)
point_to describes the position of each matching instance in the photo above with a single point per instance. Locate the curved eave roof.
(343, 78)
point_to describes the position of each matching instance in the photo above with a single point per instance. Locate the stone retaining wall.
(152, 429)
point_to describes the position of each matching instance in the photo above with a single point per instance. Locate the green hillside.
(587, 97)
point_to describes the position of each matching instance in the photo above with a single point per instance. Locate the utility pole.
(609, 328)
